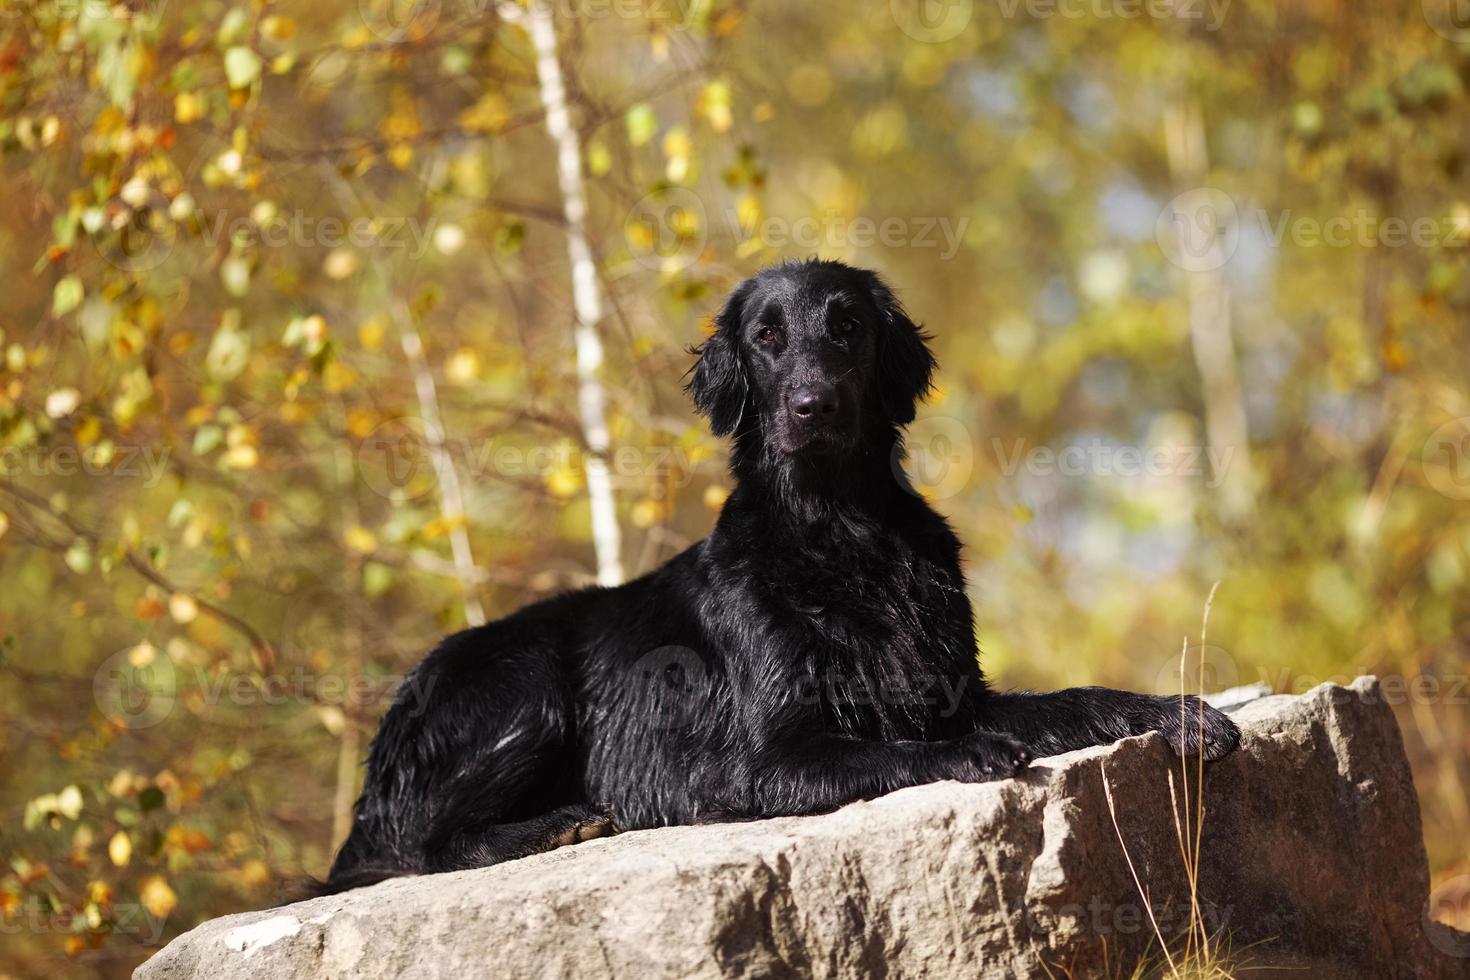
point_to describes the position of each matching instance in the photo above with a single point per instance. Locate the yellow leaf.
(488, 115)
(340, 263)
(279, 27)
(338, 377)
(69, 802)
(182, 607)
(99, 893)
(715, 496)
(370, 334)
(120, 849)
(188, 107)
(463, 366)
(564, 479)
(401, 155)
(158, 898)
(333, 719)
(361, 540)
(646, 512)
(361, 421)
(241, 457)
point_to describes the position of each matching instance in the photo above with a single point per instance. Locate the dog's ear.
(905, 365)
(719, 386)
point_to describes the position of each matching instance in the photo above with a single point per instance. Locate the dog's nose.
(810, 402)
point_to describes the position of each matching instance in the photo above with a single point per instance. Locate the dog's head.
(813, 358)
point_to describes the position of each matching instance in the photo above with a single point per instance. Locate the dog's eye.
(847, 326)
(768, 335)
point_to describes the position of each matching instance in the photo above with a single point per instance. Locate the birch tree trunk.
(1209, 311)
(451, 498)
(607, 536)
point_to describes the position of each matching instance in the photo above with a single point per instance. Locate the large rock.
(1312, 868)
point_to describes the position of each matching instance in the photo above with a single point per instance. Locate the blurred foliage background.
(290, 382)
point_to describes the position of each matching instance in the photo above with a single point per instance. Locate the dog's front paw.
(1192, 727)
(983, 756)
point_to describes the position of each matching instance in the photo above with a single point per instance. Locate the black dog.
(817, 648)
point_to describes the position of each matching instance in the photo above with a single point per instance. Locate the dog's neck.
(804, 491)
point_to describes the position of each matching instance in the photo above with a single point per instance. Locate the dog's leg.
(822, 772)
(492, 844)
(1061, 721)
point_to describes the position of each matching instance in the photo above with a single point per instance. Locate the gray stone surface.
(1313, 866)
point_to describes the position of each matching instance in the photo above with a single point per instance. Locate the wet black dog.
(817, 648)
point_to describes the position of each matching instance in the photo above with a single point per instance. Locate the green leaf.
(242, 66)
(207, 439)
(234, 27)
(642, 123)
(228, 354)
(79, 557)
(67, 296)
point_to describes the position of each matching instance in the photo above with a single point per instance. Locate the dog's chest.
(854, 582)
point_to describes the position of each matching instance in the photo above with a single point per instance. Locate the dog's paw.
(590, 827)
(1191, 728)
(983, 756)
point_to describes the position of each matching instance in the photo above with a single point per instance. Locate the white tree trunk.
(1210, 322)
(451, 499)
(607, 536)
